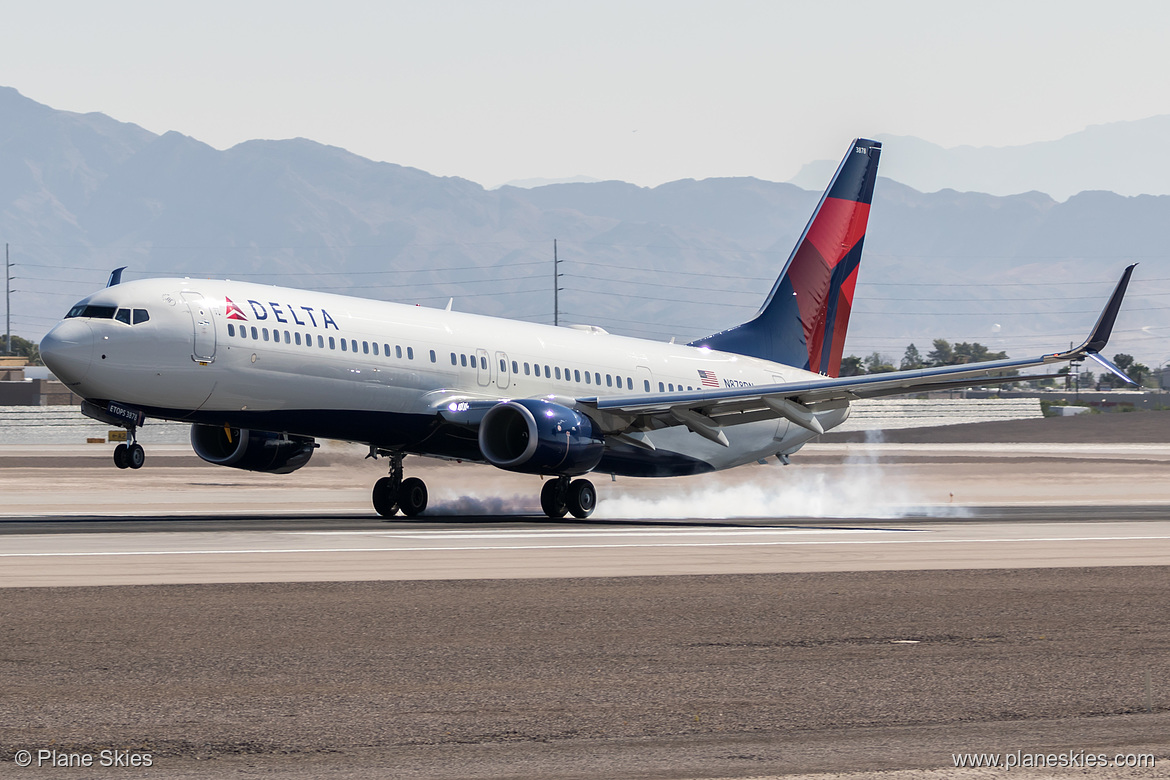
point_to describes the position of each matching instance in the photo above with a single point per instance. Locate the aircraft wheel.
(582, 498)
(135, 456)
(120, 458)
(385, 499)
(412, 497)
(552, 500)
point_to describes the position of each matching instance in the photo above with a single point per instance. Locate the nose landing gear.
(129, 455)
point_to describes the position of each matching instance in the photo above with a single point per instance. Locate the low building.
(17, 389)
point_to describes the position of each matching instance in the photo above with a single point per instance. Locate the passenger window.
(577, 375)
(123, 315)
(452, 358)
(296, 336)
(558, 372)
(647, 383)
(661, 388)
(503, 366)
(255, 333)
(630, 384)
(375, 348)
(608, 380)
(332, 345)
(365, 347)
(433, 358)
(515, 368)
(264, 332)
(410, 353)
(287, 337)
(597, 377)
(587, 377)
(344, 348)
(231, 329)
(320, 342)
(398, 353)
(463, 360)
(141, 316)
(670, 387)
(483, 363)
(353, 345)
(525, 369)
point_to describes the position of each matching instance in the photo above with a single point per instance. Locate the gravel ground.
(1131, 428)
(723, 676)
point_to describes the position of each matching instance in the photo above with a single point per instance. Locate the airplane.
(262, 372)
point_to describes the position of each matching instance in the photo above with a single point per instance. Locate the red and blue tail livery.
(804, 319)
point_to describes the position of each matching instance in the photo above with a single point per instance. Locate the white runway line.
(622, 532)
(483, 548)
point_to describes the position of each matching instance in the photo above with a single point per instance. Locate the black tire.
(550, 501)
(582, 498)
(120, 458)
(412, 497)
(385, 499)
(135, 456)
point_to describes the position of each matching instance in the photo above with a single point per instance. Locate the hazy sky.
(641, 91)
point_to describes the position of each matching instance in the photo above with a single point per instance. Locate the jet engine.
(241, 448)
(539, 437)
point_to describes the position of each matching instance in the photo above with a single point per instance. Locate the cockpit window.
(96, 312)
(123, 315)
(140, 316)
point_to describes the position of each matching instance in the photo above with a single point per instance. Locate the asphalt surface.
(633, 677)
(794, 673)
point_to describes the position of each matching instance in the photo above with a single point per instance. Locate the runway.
(317, 552)
(941, 599)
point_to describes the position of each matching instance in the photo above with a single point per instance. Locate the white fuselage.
(315, 364)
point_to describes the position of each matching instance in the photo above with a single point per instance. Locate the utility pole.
(7, 302)
(556, 286)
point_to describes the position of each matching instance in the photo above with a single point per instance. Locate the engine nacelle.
(241, 448)
(539, 437)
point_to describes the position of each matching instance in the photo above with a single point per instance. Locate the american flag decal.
(707, 379)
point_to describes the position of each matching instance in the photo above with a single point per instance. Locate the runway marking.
(271, 551)
(625, 533)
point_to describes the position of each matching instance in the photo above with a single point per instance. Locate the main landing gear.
(129, 455)
(564, 495)
(393, 493)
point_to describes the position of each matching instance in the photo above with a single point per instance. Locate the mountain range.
(1120, 157)
(81, 194)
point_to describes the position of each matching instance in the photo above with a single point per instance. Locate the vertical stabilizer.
(804, 319)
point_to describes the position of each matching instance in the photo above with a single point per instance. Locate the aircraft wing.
(706, 412)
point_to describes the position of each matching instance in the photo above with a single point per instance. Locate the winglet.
(1108, 366)
(1102, 331)
(1104, 327)
(115, 276)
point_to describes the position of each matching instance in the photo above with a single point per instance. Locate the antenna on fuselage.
(115, 276)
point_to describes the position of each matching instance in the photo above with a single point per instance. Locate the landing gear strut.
(130, 455)
(393, 493)
(564, 495)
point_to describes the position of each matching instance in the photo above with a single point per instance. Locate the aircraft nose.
(68, 350)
